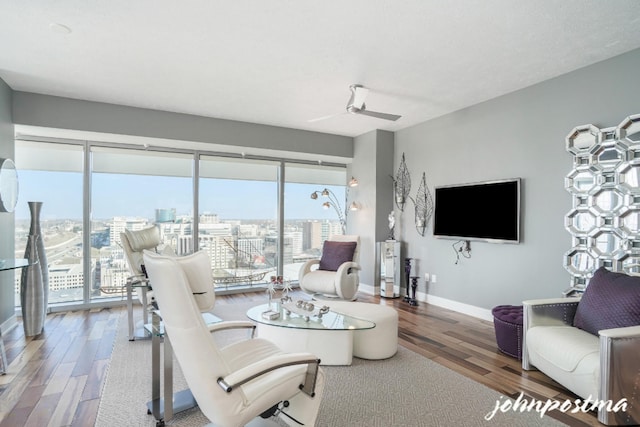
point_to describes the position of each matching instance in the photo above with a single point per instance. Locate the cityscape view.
(237, 213)
(242, 252)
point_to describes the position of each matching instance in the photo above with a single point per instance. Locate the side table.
(9, 264)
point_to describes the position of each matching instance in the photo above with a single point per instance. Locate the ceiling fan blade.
(385, 116)
(318, 119)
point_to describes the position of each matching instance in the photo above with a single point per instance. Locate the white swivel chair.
(232, 385)
(336, 275)
(133, 243)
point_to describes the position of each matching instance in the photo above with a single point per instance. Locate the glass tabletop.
(11, 264)
(329, 321)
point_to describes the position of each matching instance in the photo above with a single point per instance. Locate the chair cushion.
(567, 354)
(143, 239)
(334, 254)
(611, 300)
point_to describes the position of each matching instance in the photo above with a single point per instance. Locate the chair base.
(325, 297)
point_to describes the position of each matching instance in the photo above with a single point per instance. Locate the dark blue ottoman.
(507, 321)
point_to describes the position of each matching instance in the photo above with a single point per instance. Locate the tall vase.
(32, 286)
(32, 291)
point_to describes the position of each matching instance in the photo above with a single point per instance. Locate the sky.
(140, 195)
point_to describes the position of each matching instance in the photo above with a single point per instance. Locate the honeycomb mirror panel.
(581, 180)
(604, 184)
(582, 139)
(628, 132)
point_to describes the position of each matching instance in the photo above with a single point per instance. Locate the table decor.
(305, 309)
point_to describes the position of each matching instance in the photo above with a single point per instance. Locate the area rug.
(405, 390)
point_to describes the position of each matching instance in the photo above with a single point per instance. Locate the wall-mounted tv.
(487, 211)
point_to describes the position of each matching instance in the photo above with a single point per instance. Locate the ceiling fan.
(356, 105)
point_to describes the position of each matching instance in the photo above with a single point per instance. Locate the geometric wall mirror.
(604, 184)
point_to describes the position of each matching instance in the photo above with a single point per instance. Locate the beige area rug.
(405, 390)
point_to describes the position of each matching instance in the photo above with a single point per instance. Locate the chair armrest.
(138, 278)
(549, 312)
(306, 268)
(232, 324)
(545, 312)
(255, 370)
(347, 280)
(620, 373)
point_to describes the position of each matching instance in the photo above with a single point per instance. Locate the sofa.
(590, 344)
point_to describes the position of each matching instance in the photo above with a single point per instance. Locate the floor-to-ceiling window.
(237, 227)
(252, 225)
(314, 210)
(136, 189)
(53, 174)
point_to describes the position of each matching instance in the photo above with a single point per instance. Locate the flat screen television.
(487, 211)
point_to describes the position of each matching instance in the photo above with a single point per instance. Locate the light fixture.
(335, 204)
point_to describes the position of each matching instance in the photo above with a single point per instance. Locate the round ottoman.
(380, 342)
(507, 322)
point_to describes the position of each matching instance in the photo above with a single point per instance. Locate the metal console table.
(8, 264)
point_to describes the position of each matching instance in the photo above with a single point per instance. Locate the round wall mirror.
(8, 185)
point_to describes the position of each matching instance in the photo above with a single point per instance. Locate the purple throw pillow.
(334, 254)
(611, 300)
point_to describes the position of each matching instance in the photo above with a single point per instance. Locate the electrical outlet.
(426, 277)
(434, 279)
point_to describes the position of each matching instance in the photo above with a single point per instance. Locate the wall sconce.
(353, 182)
(354, 206)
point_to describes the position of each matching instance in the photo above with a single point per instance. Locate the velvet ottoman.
(507, 321)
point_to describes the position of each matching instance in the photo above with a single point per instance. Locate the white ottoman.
(380, 342)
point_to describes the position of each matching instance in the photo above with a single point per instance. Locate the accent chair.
(236, 383)
(335, 274)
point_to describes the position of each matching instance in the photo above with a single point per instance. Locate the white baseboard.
(460, 307)
(368, 289)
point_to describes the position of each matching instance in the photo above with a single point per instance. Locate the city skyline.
(133, 195)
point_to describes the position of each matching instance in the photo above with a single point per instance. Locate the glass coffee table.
(329, 337)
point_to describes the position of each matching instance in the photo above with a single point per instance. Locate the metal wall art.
(402, 184)
(423, 206)
(605, 188)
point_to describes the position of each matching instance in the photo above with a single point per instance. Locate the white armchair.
(589, 344)
(335, 274)
(234, 384)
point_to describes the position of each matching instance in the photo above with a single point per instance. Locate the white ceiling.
(284, 62)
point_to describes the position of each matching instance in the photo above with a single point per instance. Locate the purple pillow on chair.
(334, 254)
(611, 300)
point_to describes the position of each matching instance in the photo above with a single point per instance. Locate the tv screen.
(488, 211)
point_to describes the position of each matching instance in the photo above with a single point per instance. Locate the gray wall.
(6, 219)
(372, 166)
(517, 135)
(64, 113)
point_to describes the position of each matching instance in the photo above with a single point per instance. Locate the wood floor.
(56, 378)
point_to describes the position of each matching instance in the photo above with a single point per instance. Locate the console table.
(9, 264)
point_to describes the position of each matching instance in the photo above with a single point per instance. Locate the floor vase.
(32, 298)
(34, 287)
